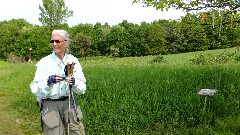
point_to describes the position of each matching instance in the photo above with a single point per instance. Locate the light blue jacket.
(51, 65)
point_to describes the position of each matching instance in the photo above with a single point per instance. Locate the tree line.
(125, 39)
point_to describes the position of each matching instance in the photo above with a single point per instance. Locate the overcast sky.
(88, 11)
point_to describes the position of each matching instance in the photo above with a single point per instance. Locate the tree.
(84, 43)
(188, 5)
(119, 45)
(10, 33)
(174, 35)
(35, 37)
(156, 38)
(54, 13)
(99, 38)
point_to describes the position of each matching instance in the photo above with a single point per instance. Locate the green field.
(135, 96)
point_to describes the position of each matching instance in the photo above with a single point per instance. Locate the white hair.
(64, 34)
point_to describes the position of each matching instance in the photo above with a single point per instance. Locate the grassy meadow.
(135, 96)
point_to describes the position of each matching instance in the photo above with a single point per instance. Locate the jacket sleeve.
(80, 82)
(39, 85)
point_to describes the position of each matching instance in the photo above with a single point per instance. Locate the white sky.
(88, 11)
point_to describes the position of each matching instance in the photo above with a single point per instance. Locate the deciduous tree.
(84, 43)
(54, 13)
(190, 4)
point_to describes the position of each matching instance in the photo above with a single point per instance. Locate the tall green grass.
(160, 99)
(133, 96)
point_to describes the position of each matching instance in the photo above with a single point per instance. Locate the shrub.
(157, 59)
(204, 59)
(12, 58)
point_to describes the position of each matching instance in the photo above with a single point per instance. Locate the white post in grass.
(30, 55)
(206, 93)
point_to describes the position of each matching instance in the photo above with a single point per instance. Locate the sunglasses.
(57, 41)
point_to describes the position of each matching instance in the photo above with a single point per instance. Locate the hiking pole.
(69, 73)
(69, 107)
(69, 69)
(71, 95)
(75, 110)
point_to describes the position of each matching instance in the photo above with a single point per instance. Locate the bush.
(157, 59)
(237, 57)
(12, 58)
(204, 59)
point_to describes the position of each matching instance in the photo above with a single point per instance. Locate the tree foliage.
(10, 33)
(54, 13)
(188, 5)
(156, 37)
(83, 42)
(123, 40)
